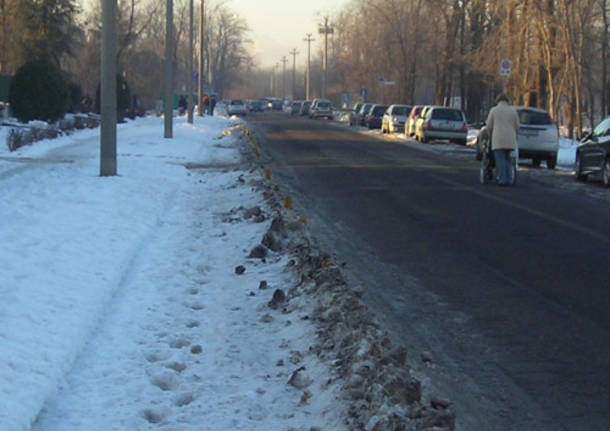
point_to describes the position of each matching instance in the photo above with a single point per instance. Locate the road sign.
(364, 92)
(505, 68)
(382, 82)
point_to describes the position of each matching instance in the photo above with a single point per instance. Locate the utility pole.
(275, 66)
(294, 53)
(325, 30)
(190, 71)
(201, 76)
(284, 60)
(309, 39)
(169, 78)
(108, 105)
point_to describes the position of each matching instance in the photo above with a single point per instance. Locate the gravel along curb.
(375, 380)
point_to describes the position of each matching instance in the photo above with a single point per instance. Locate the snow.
(120, 308)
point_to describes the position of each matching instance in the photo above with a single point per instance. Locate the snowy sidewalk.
(120, 307)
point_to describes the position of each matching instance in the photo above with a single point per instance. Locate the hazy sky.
(278, 26)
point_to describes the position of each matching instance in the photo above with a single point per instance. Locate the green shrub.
(38, 92)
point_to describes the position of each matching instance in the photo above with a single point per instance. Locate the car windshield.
(534, 118)
(236, 102)
(447, 115)
(401, 110)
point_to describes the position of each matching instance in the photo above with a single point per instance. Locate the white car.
(321, 108)
(237, 107)
(538, 136)
(394, 119)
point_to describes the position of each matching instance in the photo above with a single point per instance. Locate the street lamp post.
(169, 78)
(200, 74)
(294, 53)
(108, 105)
(284, 60)
(190, 60)
(309, 39)
(325, 30)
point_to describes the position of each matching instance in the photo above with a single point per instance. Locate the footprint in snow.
(179, 343)
(165, 381)
(184, 399)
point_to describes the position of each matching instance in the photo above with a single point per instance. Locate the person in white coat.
(502, 126)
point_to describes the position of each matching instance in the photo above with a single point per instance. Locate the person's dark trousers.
(503, 166)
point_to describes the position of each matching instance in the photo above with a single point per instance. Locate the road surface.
(503, 291)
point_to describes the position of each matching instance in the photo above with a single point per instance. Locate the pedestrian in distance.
(212, 104)
(502, 126)
(182, 105)
(206, 104)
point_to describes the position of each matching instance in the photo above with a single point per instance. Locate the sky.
(120, 306)
(278, 26)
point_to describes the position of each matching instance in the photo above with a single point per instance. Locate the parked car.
(593, 154)
(274, 103)
(295, 108)
(373, 118)
(321, 108)
(353, 113)
(305, 108)
(445, 123)
(363, 113)
(537, 138)
(419, 122)
(236, 107)
(394, 119)
(412, 119)
(256, 106)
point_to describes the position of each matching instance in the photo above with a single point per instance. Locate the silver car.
(395, 118)
(237, 107)
(321, 108)
(443, 123)
(538, 136)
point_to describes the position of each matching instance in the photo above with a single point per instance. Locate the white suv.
(538, 136)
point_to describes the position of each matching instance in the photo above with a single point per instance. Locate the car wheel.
(536, 163)
(606, 173)
(551, 163)
(578, 169)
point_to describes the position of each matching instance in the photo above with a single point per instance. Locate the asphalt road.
(506, 289)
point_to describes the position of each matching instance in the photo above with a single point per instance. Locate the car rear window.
(401, 110)
(447, 114)
(236, 102)
(323, 104)
(379, 110)
(534, 118)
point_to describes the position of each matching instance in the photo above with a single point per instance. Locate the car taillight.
(464, 128)
(428, 124)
